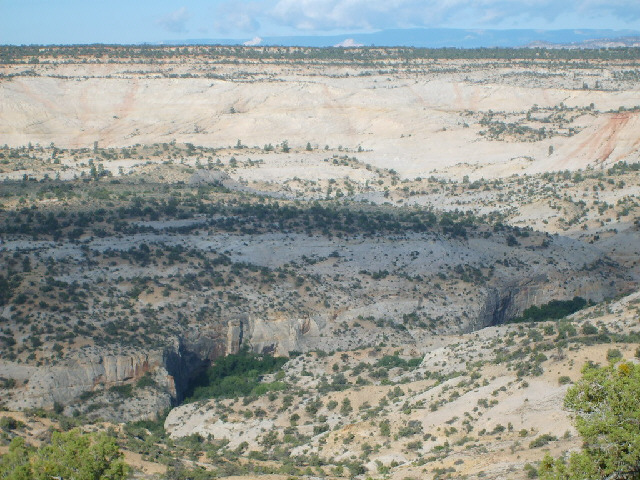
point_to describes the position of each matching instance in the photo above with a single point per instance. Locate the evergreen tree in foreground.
(71, 455)
(607, 412)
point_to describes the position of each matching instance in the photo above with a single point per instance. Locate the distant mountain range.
(633, 41)
(447, 37)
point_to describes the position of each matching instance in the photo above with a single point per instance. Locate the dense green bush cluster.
(236, 375)
(553, 310)
(391, 361)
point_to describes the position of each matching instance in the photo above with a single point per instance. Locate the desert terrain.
(383, 220)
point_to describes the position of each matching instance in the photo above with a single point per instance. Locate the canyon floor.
(380, 217)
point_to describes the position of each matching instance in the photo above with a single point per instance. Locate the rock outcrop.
(510, 300)
(280, 335)
(86, 371)
(92, 373)
(96, 376)
(99, 375)
(234, 336)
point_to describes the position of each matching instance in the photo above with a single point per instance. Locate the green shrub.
(613, 354)
(385, 428)
(542, 440)
(125, 391)
(10, 423)
(564, 380)
(413, 427)
(531, 471)
(346, 408)
(146, 381)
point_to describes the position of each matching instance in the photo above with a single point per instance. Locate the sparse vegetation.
(129, 271)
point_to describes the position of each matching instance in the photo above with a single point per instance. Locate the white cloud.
(348, 42)
(233, 17)
(379, 14)
(317, 16)
(329, 14)
(175, 21)
(253, 42)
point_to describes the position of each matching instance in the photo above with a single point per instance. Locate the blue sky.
(136, 21)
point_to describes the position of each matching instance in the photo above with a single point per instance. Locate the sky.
(139, 21)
